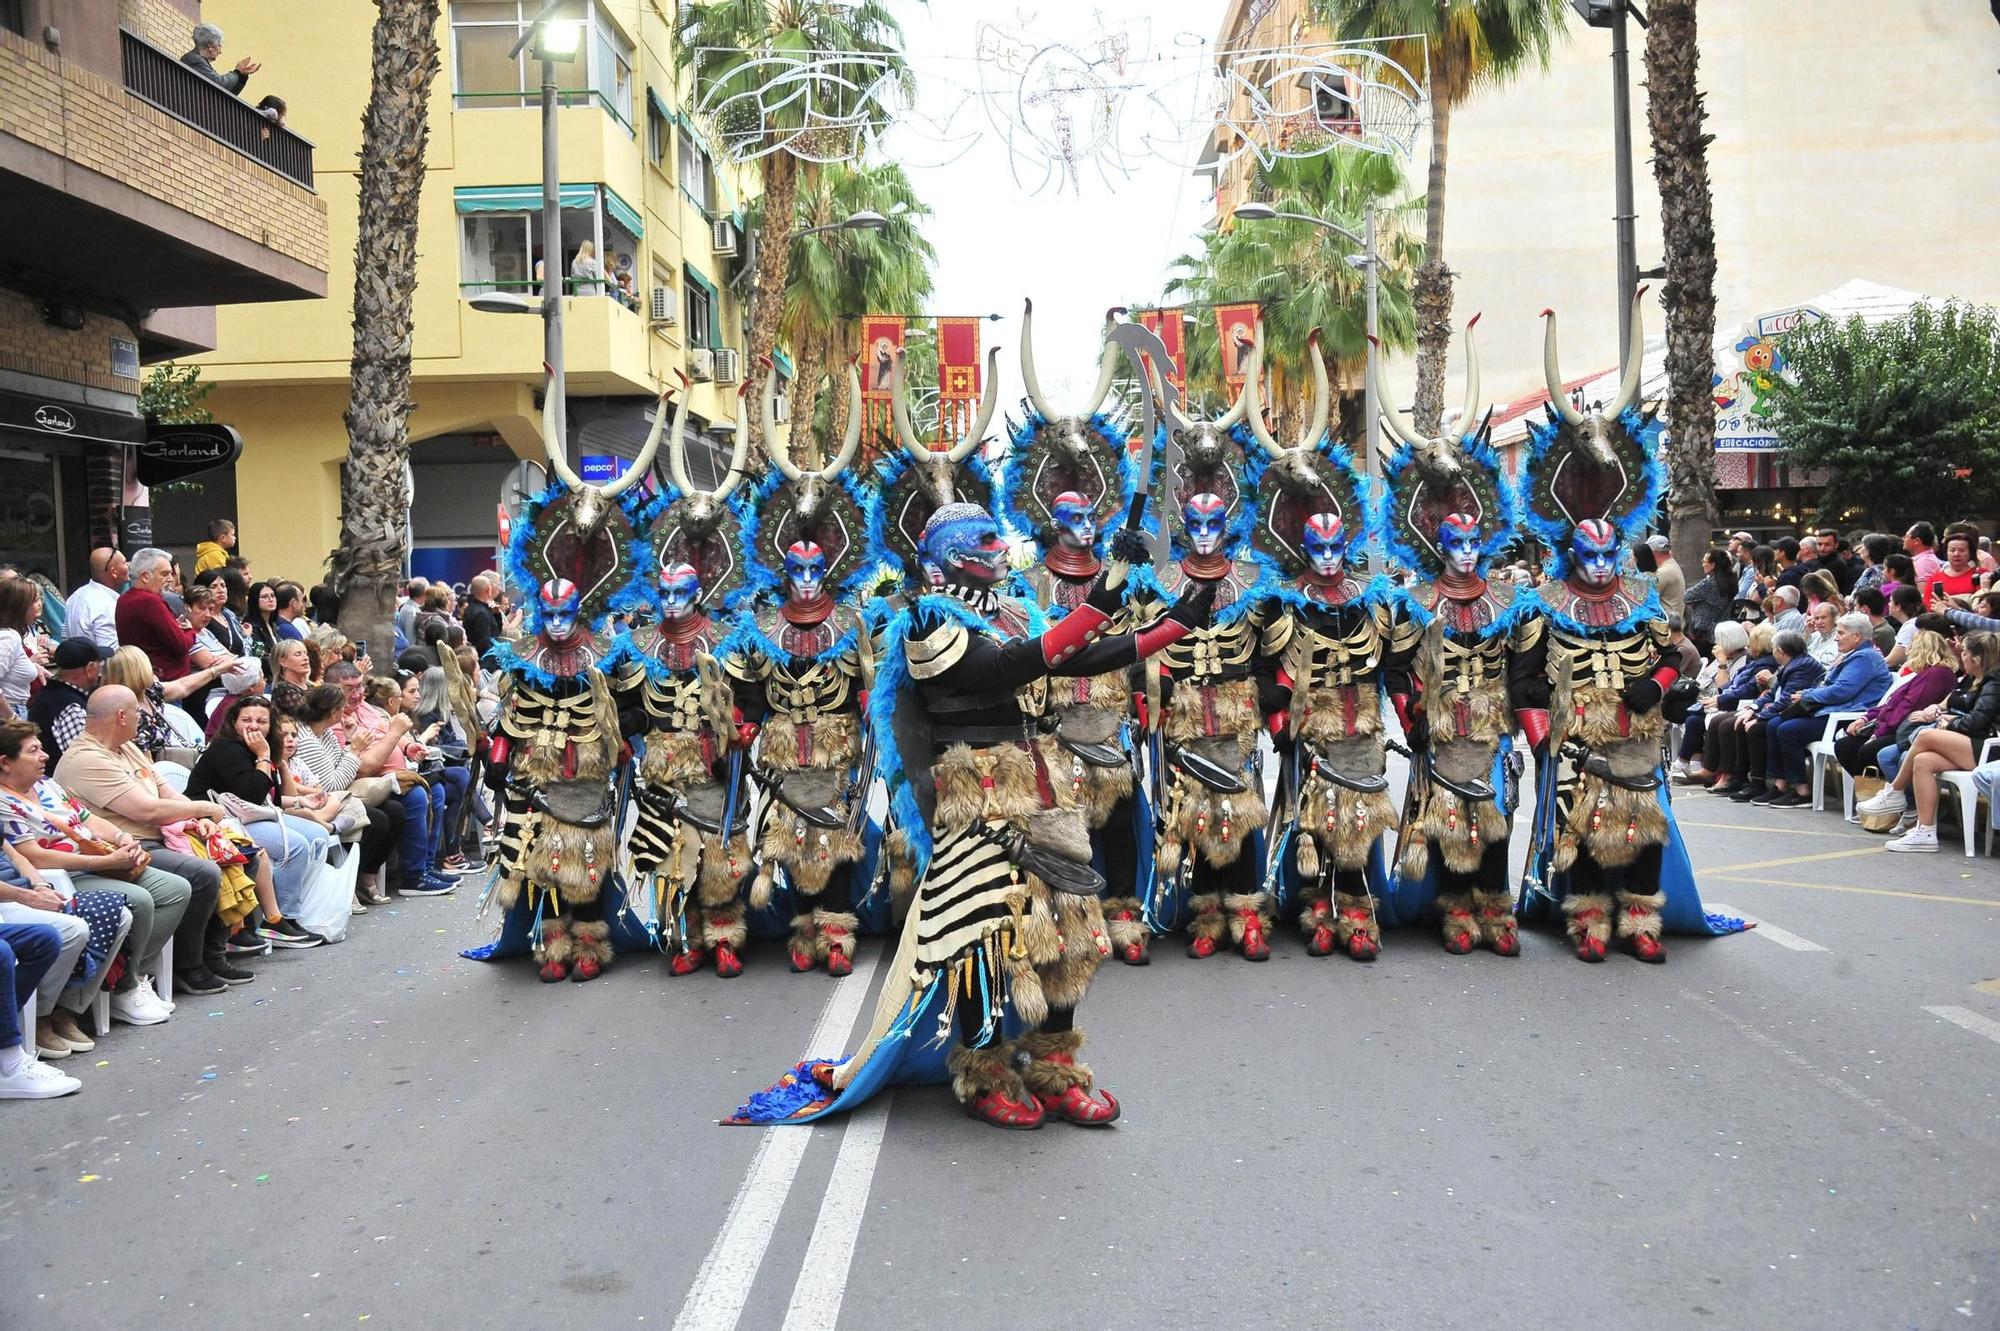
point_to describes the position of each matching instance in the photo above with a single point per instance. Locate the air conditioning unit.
(701, 365)
(663, 305)
(781, 407)
(724, 236)
(728, 365)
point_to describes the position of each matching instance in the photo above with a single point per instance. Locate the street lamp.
(1370, 263)
(863, 220)
(1612, 14)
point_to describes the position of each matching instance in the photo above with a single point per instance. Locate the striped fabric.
(964, 896)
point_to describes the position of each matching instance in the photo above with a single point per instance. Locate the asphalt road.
(1792, 1128)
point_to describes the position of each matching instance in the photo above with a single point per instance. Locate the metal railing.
(161, 80)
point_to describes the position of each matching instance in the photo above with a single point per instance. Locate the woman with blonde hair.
(1963, 723)
(1929, 672)
(1726, 657)
(160, 727)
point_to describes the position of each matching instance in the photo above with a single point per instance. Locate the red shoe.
(1006, 1112)
(1589, 949)
(1080, 1107)
(837, 963)
(1321, 942)
(1362, 944)
(727, 964)
(802, 962)
(553, 972)
(1648, 947)
(585, 969)
(1507, 942)
(1465, 937)
(1253, 945)
(686, 963)
(1201, 947)
(1135, 954)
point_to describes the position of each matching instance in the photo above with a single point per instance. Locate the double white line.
(715, 1301)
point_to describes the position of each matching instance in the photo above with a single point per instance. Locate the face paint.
(805, 570)
(1206, 518)
(962, 544)
(680, 591)
(1458, 542)
(1075, 520)
(1593, 552)
(1325, 542)
(560, 604)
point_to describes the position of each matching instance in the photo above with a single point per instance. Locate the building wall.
(30, 345)
(281, 369)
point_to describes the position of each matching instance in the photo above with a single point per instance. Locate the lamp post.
(1612, 14)
(1370, 263)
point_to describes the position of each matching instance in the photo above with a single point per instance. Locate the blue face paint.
(805, 569)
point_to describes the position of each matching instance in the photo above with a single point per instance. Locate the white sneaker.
(138, 1006)
(151, 985)
(1918, 840)
(1678, 771)
(37, 1081)
(1886, 800)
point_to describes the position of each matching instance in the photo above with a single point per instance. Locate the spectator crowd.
(186, 767)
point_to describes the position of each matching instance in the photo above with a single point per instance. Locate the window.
(501, 244)
(700, 312)
(483, 31)
(659, 134)
(11, 17)
(694, 171)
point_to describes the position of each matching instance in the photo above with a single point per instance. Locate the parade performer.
(689, 874)
(1066, 482)
(1589, 678)
(1343, 643)
(1451, 511)
(557, 744)
(1207, 696)
(800, 660)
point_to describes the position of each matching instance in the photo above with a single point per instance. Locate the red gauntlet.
(1534, 721)
(1078, 629)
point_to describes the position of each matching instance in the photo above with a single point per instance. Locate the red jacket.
(145, 621)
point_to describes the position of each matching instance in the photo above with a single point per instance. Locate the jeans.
(454, 781)
(296, 847)
(71, 935)
(158, 901)
(423, 829)
(1789, 737)
(27, 952)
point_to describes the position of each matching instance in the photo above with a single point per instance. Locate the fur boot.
(1461, 923)
(1125, 919)
(833, 940)
(1496, 922)
(555, 948)
(1355, 925)
(1061, 1085)
(1250, 921)
(1639, 924)
(805, 946)
(593, 949)
(1317, 921)
(1206, 925)
(985, 1082)
(1587, 918)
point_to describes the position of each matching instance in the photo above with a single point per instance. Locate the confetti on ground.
(88, 1178)
(263, 1178)
(103, 1062)
(208, 1076)
(215, 1014)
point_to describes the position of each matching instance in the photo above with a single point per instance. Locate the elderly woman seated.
(1751, 750)
(1729, 714)
(1963, 724)
(1726, 658)
(1857, 679)
(1928, 676)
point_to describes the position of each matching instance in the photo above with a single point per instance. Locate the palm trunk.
(1430, 295)
(774, 253)
(1674, 111)
(810, 359)
(374, 496)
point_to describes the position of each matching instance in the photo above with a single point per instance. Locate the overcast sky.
(1075, 247)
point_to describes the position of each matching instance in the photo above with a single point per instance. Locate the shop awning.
(519, 198)
(623, 213)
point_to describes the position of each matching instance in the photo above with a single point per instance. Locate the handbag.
(1866, 787)
(373, 790)
(91, 846)
(243, 811)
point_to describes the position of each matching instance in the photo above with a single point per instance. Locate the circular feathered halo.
(1424, 485)
(548, 542)
(833, 514)
(1304, 482)
(1086, 457)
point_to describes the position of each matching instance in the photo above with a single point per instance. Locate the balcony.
(157, 78)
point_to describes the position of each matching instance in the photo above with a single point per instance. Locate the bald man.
(92, 609)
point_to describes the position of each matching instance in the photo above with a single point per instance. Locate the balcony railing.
(163, 81)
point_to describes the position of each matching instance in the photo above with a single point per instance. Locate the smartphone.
(361, 647)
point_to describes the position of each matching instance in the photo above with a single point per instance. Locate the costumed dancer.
(800, 661)
(1005, 929)
(1590, 676)
(557, 745)
(1343, 642)
(692, 737)
(1451, 512)
(1207, 696)
(1066, 481)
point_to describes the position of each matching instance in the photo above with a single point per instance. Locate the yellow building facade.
(641, 187)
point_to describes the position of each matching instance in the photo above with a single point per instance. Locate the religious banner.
(881, 339)
(958, 375)
(1171, 329)
(1237, 325)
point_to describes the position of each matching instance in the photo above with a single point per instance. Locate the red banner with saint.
(881, 339)
(1237, 326)
(1171, 329)
(958, 375)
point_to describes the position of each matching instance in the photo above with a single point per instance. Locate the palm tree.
(1300, 275)
(835, 276)
(1674, 111)
(374, 491)
(1468, 43)
(722, 42)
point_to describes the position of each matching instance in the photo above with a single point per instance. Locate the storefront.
(66, 478)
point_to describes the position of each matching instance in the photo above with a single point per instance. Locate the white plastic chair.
(1820, 752)
(1968, 797)
(28, 1028)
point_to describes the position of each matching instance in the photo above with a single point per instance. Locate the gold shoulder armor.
(937, 651)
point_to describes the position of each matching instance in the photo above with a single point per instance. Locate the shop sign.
(598, 468)
(1746, 372)
(176, 452)
(48, 416)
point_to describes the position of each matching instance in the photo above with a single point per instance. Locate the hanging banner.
(1171, 329)
(1237, 325)
(958, 375)
(881, 339)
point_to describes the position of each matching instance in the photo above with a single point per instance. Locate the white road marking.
(715, 1301)
(1765, 929)
(1969, 1019)
(822, 1282)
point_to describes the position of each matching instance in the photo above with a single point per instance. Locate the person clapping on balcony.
(207, 50)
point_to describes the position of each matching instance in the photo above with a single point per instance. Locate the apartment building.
(135, 196)
(659, 210)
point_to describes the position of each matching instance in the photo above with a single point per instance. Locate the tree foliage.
(173, 393)
(1904, 415)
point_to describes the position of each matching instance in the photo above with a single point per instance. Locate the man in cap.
(58, 710)
(1667, 575)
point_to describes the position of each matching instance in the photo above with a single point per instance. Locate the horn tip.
(1312, 339)
(1027, 304)
(1473, 322)
(1373, 340)
(1643, 289)
(1546, 313)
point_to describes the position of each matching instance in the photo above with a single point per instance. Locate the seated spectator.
(116, 782)
(1748, 753)
(1726, 657)
(241, 764)
(1783, 609)
(290, 601)
(162, 725)
(1959, 574)
(214, 552)
(408, 608)
(1821, 637)
(1855, 680)
(293, 663)
(1898, 571)
(1927, 677)
(261, 623)
(20, 672)
(57, 710)
(362, 725)
(1820, 589)
(27, 952)
(207, 50)
(209, 661)
(1906, 606)
(1962, 727)
(147, 622)
(324, 604)
(331, 766)
(272, 108)
(1870, 602)
(427, 697)
(92, 609)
